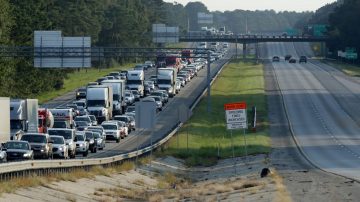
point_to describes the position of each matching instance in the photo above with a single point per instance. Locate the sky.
(277, 5)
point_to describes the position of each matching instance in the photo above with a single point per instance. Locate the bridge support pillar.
(244, 50)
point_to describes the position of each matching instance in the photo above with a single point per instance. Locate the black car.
(287, 57)
(276, 59)
(90, 137)
(81, 93)
(18, 150)
(292, 60)
(303, 59)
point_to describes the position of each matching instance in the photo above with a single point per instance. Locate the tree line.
(123, 23)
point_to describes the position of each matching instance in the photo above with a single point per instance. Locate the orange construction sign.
(235, 106)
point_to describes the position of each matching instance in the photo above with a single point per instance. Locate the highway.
(166, 120)
(322, 106)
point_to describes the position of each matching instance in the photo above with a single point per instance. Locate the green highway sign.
(353, 56)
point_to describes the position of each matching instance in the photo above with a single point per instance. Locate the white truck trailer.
(118, 87)
(166, 80)
(4, 119)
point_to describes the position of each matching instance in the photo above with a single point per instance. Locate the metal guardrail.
(24, 168)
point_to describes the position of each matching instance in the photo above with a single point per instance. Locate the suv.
(81, 93)
(287, 57)
(40, 143)
(303, 59)
(82, 146)
(276, 59)
(92, 141)
(126, 119)
(69, 136)
(112, 131)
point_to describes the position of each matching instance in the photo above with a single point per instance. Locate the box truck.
(23, 117)
(118, 88)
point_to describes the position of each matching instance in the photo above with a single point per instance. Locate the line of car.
(67, 139)
(290, 59)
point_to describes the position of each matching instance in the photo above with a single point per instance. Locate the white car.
(177, 86)
(112, 131)
(60, 149)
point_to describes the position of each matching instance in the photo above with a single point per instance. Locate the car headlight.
(61, 148)
(27, 155)
(82, 144)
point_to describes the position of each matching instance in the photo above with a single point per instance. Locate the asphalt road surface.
(322, 107)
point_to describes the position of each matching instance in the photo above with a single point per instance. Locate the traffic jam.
(103, 112)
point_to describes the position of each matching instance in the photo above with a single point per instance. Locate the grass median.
(80, 78)
(204, 138)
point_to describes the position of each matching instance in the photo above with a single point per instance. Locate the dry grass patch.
(282, 194)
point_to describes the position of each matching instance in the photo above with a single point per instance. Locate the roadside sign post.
(236, 118)
(145, 113)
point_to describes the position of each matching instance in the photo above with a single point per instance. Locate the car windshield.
(80, 137)
(15, 124)
(67, 134)
(81, 123)
(130, 109)
(121, 118)
(95, 103)
(34, 138)
(89, 135)
(92, 118)
(86, 119)
(57, 140)
(131, 82)
(156, 98)
(109, 127)
(164, 81)
(17, 145)
(127, 95)
(59, 124)
(96, 135)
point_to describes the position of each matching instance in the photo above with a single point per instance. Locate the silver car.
(60, 149)
(99, 139)
(3, 156)
(82, 146)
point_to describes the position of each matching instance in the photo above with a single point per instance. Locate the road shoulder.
(304, 182)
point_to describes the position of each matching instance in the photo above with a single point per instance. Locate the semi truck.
(65, 114)
(135, 81)
(99, 102)
(5, 119)
(46, 120)
(166, 80)
(118, 87)
(173, 61)
(23, 117)
(187, 55)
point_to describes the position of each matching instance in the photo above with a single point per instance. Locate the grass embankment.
(80, 78)
(349, 69)
(207, 132)
(35, 180)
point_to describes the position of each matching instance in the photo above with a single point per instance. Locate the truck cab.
(23, 117)
(166, 80)
(99, 102)
(46, 120)
(135, 81)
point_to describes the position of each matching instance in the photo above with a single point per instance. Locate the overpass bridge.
(245, 39)
(251, 38)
